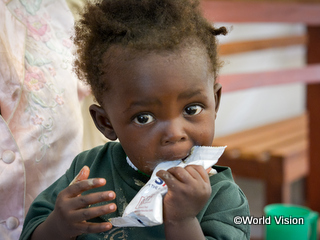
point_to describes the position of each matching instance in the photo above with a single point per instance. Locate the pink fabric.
(41, 126)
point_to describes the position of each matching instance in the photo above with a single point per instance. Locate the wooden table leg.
(277, 190)
(313, 105)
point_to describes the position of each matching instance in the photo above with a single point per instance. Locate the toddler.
(152, 66)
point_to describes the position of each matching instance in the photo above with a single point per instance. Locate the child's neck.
(135, 168)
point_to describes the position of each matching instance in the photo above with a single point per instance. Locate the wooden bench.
(278, 11)
(276, 153)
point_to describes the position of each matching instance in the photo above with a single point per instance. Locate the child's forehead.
(118, 56)
(127, 69)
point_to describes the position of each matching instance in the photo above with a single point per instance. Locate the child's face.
(160, 106)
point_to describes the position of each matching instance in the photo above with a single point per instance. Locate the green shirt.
(109, 162)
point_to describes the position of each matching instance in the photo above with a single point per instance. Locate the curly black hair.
(143, 25)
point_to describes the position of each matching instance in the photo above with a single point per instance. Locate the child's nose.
(173, 132)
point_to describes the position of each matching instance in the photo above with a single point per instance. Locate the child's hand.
(188, 191)
(71, 209)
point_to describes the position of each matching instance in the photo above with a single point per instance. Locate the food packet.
(145, 209)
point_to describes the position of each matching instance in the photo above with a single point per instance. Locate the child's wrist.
(187, 228)
(179, 222)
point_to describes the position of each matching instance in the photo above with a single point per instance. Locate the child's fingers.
(184, 175)
(82, 175)
(197, 172)
(180, 174)
(92, 212)
(167, 177)
(92, 198)
(79, 187)
(88, 227)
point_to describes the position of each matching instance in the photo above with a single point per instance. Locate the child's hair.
(142, 25)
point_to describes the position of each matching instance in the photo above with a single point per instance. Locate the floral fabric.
(40, 123)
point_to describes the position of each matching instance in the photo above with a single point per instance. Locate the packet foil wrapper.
(145, 209)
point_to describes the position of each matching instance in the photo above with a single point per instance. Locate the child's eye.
(143, 119)
(193, 110)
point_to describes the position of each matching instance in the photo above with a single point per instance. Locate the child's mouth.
(183, 159)
(188, 155)
(176, 156)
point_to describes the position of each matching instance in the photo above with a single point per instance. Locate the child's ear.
(102, 122)
(217, 95)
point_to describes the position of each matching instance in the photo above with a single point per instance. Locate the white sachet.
(145, 209)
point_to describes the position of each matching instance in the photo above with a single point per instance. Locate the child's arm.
(188, 191)
(68, 219)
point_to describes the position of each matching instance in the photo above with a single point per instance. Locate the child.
(152, 66)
